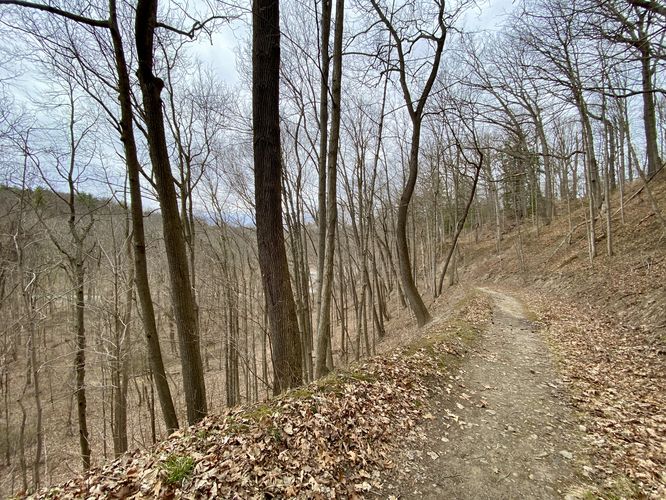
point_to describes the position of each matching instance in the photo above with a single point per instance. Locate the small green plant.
(177, 468)
(300, 393)
(276, 434)
(259, 413)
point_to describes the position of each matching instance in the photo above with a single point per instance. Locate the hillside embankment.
(541, 376)
(330, 439)
(605, 322)
(554, 259)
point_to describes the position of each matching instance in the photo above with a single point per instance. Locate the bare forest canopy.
(176, 239)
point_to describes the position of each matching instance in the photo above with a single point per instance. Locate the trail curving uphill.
(500, 428)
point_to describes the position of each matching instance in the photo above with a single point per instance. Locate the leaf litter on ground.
(329, 439)
(619, 385)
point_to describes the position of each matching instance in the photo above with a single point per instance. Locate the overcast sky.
(221, 54)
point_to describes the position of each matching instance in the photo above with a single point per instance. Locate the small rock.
(582, 428)
(433, 455)
(566, 454)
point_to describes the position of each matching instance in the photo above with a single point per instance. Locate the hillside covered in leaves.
(329, 439)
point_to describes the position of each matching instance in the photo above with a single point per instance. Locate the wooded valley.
(180, 236)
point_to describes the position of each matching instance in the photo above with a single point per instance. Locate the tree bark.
(460, 224)
(80, 365)
(138, 231)
(416, 109)
(323, 147)
(272, 254)
(411, 292)
(324, 323)
(176, 253)
(649, 118)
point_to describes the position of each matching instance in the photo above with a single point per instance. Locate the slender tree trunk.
(323, 147)
(324, 324)
(176, 253)
(460, 224)
(80, 365)
(27, 288)
(411, 292)
(649, 117)
(548, 171)
(594, 183)
(138, 231)
(120, 369)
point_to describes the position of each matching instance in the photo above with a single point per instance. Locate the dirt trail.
(501, 427)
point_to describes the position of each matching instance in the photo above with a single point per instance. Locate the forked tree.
(407, 40)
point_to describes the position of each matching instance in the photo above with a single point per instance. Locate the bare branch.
(99, 23)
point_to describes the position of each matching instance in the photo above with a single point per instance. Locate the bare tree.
(176, 252)
(637, 26)
(76, 247)
(405, 40)
(324, 323)
(281, 308)
(125, 127)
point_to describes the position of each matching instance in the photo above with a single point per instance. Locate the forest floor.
(504, 395)
(542, 376)
(500, 426)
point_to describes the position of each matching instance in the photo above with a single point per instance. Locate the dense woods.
(175, 240)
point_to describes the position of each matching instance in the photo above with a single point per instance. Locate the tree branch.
(650, 5)
(99, 23)
(197, 26)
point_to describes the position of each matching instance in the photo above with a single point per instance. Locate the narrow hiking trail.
(500, 426)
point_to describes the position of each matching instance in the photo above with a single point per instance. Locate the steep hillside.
(606, 322)
(330, 439)
(542, 376)
(630, 285)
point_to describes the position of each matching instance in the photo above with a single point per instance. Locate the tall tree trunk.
(27, 288)
(416, 108)
(138, 232)
(649, 118)
(80, 364)
(594, 183)
(411, 292)
(323, 147)
(548, 170)
(176, 253)
(120, 367)
(324, 323)
(272, 254)
(460, 224)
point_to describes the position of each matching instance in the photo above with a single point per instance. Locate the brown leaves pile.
(327, 440)
(619, 382)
